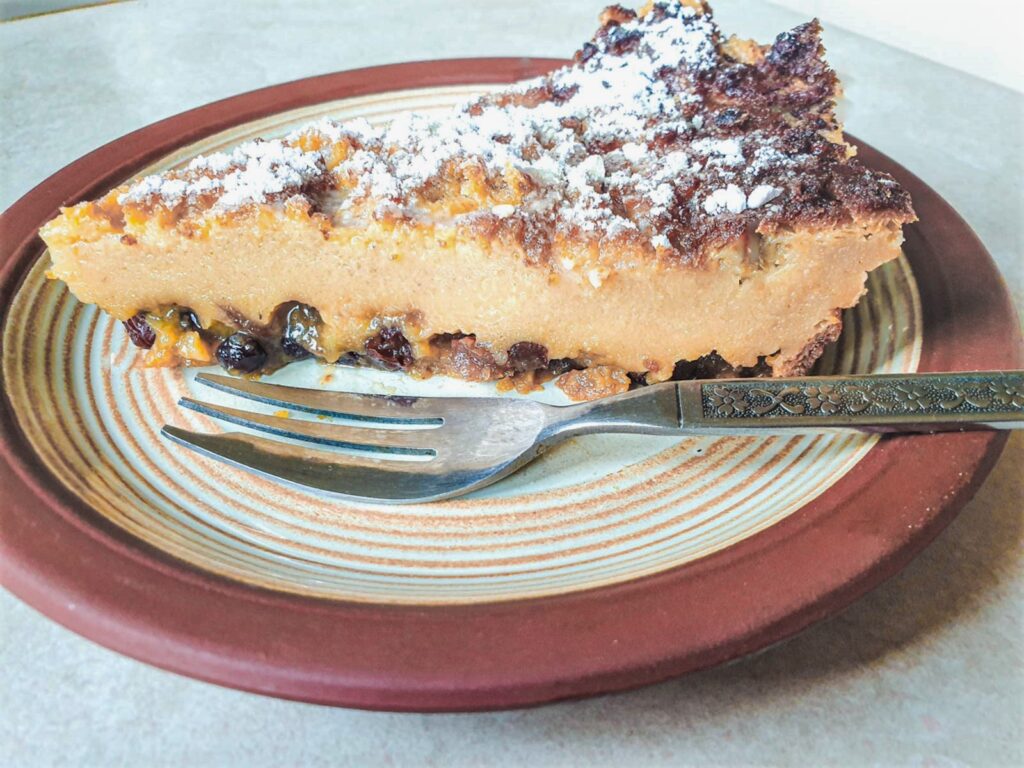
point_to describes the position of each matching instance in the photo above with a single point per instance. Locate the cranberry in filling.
(139, 331)
(524, 356)
(390, 349)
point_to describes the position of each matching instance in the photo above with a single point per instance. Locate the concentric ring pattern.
(595, 511)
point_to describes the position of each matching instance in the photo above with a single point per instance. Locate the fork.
(416, 449)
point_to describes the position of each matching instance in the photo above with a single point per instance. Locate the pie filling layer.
(673, 204)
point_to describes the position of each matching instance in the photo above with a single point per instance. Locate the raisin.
(188, 320)
(585, 53)
(242, 353)
(526, 356)
(798, 141)
(709, 366)
(301, 332)
(621, 41)
(139, 331)
(759, 370)
(562, 93)
(349, 359)
(797, 53)
(390, 349)
(293, 349)
(563, 365)
(731, 118)
(637, 379)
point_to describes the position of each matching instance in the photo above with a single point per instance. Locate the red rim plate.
(63, 558)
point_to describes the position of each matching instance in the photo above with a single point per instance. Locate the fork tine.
(361, 478)
(400, 441)
(382, 408)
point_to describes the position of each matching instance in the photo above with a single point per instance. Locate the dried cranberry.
(301, 332)
(139, 331)
(390, 349)
(526, 356)
(242, 353)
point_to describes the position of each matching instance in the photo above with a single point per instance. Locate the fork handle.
(918, 402)
(902, 402)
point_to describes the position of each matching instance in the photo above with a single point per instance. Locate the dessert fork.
(415, 449)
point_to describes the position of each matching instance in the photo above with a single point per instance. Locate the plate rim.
(67, 561)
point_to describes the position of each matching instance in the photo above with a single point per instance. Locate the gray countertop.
(926, 670)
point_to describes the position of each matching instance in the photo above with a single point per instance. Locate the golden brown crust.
(622, 213)
(801, 364)
(660, 142)
(593, 383)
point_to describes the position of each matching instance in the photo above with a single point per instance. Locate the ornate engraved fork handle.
(923, 402)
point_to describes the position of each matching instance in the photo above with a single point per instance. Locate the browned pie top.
(661, 136)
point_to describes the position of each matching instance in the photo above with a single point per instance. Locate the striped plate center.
(594, 511)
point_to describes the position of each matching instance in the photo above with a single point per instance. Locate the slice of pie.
(673, 203)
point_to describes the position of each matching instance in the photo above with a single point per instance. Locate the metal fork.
(460, 444)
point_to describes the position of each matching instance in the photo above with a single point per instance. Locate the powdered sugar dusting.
(623, 144)
(729, 199)
(255, 172)
(761, 194)
(720, 151)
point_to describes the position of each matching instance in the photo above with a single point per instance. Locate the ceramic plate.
(611, 562)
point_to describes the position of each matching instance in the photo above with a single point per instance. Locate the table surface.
(928, 669)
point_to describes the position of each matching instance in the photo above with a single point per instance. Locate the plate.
(611, 562)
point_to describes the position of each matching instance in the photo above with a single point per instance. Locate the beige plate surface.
(595, 511)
